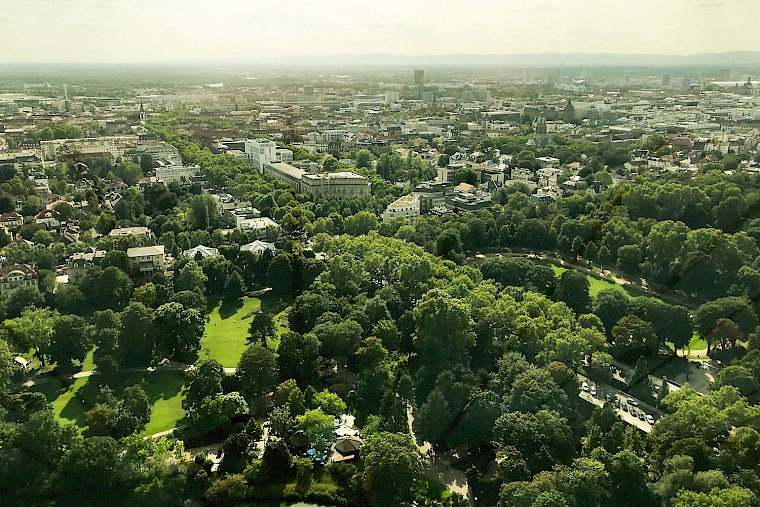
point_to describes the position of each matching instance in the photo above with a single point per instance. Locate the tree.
(573, 290)
(215, 413)
(32, 330)
(364, 158)
(671, 323)
(543, 438)
(107, 288)
(257, 371)
(444, 329)
(318, 427)
(117, 259)
(71, 340)
(91, 471)
(737, 309)
(204, 213)
(280, 273)
(289, 395)
(298, 357)
(190, 277)
(227, 490)
(262, 328)
(391, 468)
(533, 390)
(234, 286)
(731, 497)
(19, 299)
(178, 330)
(6, 364)
(738, 376)
(202, 382)
(432, 422)
(330, 403)
(631, 334)
(68, 299)
(629, 259)
(136, 340)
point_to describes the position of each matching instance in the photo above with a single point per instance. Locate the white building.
(407, 206)
(203, 251)
(259, 225)
(258, 247)
(260, 152)
(147, 260)
(170, 173)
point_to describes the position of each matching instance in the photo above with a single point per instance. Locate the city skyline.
(171, 31)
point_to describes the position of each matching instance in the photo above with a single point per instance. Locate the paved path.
(437, 468)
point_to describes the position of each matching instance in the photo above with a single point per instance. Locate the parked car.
(633, 402)
(624, 407)
(617, 402)
(584, 386)
(593, 390)
(650, 419)
(641, 415)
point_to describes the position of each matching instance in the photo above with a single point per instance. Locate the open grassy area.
(598, 284)
(71, 399)
(227, 330)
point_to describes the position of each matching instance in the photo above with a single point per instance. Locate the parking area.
(631, 410)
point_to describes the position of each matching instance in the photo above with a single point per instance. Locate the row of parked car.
(626, 405)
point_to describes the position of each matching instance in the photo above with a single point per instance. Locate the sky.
(183, 31)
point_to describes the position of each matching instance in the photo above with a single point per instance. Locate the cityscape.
(502, 271)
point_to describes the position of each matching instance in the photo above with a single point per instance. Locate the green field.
(227, 331)
(598, 284)
(71, 399)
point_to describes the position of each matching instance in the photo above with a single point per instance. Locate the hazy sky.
(194, 30)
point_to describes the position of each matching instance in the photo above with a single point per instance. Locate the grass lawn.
(72, 399)
(597, 284)
(696, 343)
(280, 308)
(227, 330)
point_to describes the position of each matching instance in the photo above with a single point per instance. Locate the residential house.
(50, 218)
(11, 219)
(259, 225)
(146, 260)
(80, 263)
(258, 247)
(203, 251)
(129, 231)
(17, 275)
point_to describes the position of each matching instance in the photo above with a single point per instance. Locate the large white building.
(260, 152)
(339, 184)
(170, 173)
(407, 206)
(115, 145)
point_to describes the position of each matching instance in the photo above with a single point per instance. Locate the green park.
(225, 338)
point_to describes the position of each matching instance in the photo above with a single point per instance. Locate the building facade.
(15, 276)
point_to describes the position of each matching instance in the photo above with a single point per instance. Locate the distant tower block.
(419, 77)
(541, 132)
(568, 113)
(666, 80)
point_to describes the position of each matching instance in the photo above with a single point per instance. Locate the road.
(599, 400)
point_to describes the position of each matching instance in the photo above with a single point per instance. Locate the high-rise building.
(419, 77)
(666, 80)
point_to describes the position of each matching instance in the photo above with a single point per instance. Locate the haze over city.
(167, 31)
